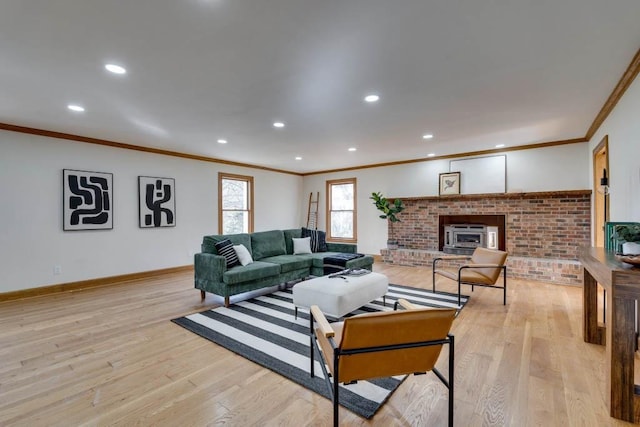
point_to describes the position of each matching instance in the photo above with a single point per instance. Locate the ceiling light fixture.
(278, 125)
(298, 158)
(427, 136)
(499, 145)
(431, 154)
(76, 108)
(372, 98)
(352, 149)
(115, 69)
(222, 141)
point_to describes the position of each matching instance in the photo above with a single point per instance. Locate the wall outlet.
(57, 269)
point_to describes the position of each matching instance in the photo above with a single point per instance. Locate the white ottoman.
(337, 296)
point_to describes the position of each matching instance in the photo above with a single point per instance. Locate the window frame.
(235, 177)
(329, 186)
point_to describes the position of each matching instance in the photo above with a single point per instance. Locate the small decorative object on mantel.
(628, 238)
(449, 183)
(389, 211)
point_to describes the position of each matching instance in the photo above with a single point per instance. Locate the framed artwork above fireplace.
(449, 183)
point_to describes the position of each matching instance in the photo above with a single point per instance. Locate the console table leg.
(620, 357)
(591, 332)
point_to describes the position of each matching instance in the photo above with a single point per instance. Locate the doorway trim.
(601, 205)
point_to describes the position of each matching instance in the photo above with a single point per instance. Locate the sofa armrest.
(345, 248)
(209, 266)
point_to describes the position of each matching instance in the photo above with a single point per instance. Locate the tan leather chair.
(483, 269)
(376, 345)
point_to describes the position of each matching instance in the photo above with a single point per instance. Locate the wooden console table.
(622, 283)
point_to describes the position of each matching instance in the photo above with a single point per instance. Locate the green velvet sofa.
(274, 262)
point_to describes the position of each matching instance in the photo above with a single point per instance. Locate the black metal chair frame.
(462, 282)
(337, 352)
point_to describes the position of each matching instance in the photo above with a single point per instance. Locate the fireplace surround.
(541, 231)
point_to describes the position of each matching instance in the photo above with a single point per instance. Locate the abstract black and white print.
(88, 200)
(157, 202)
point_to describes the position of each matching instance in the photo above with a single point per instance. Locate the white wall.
(564, 167)
(623, 128)
(32, 241)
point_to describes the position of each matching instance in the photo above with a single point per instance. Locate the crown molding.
(86, 139)
(623, 84)
(455, 156)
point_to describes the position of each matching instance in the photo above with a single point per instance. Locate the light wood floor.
(110, 356)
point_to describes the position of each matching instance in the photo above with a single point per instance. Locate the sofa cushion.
(267, 243)
(289, 235)
(290, 262)
(317, 259)
(301, 245)
(244, 257)
(209, 242)
(318, 239)
(247, 273)
(225, 248)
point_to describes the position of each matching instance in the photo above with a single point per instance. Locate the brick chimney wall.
(541, 228)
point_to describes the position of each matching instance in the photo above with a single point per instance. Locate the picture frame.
(157, 202)
(449, 183)
(87, 200)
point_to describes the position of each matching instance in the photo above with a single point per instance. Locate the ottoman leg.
(296, 313)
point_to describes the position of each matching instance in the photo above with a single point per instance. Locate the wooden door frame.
(601, 203)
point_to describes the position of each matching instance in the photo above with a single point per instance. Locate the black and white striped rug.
(264, 330)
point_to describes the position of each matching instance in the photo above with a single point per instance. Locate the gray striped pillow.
(318, 239)
(225, 248)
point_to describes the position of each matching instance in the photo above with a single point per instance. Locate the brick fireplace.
(542, 231)
(497, 222)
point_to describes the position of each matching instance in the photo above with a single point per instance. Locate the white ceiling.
(474, 73)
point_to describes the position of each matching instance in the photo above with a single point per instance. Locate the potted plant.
(389, 210)
(627, 235)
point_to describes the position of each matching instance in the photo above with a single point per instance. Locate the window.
(235, 204)
(341, 210)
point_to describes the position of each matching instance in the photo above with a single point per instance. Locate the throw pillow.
(243, 254)
(225, 248)
(318, 239)
(301, 246)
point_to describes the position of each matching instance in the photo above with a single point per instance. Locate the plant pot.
(631, 248)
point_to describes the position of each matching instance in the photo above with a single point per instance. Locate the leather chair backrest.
(488, 256)
(397, 327)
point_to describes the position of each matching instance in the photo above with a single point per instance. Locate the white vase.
(631, 248)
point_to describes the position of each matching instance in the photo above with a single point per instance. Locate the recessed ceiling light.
(278, 125)
(352, 149)
(76, 108)
(427, 136)
(372, 98)
(499, 145)
(115, 69)
(222, 141)
(298, 158)
(431, 154)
